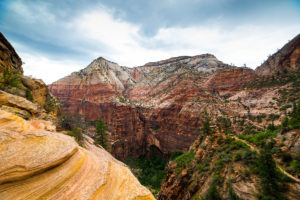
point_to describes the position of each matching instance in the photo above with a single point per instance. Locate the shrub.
(295, 164)
(66, 121)
(212, 192)
(51, 104)
(249, 157)
(183, 161)
(237, 156)
(77, 133)
(151, 171)
(175, 154)
(260, 138)
(286, 157)
(269, 175)
(10, 78)
(29, 95)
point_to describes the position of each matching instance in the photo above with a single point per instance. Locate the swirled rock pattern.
(39, 164)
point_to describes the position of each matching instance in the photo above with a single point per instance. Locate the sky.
(57, 37)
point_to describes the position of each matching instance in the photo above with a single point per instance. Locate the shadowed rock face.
(162, 103)
(287, 58)
(8, 56)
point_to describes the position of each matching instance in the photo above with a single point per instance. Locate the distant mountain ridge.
(171, 94)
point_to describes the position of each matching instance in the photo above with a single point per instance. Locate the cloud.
(48, 70)
(55, 38)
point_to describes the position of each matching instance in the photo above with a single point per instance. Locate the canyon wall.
(162, 103)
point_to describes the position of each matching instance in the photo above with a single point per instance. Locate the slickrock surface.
(39, 164)
(14, 101)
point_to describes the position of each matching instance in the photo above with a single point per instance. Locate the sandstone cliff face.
(34, 90)
(162, 103)
(159, 104)
(287, 58)
(39, 163)
(8, 56)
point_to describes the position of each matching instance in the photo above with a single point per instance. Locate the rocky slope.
(36, 162)
(162, 103)
(225, 163)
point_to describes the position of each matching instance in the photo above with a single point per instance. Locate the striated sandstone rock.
(38, 90)
(38, 164)
(230, 80)
(17, 102)
(136, 101)
(162, 103)
(157, 108)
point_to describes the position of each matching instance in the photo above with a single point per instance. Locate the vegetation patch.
(183, 161)
(149, 170)
(259, 139)
(10, 78)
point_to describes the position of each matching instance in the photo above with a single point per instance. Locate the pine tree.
(268, 174)
(101, 134)
(212, 192)
(206, 129)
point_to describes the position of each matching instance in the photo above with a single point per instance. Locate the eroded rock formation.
(161, 103)
(8, 56)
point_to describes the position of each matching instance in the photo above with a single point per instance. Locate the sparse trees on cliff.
(206, 129)
(101, 135)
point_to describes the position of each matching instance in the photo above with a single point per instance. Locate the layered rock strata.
(38, 164)
(163, 103)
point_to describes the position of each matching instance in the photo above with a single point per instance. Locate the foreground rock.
(39, 164)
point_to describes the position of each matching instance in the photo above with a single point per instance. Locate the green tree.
(77, 133)
(212, 192)
(206, 129)
(10, 77)
(101, 134)
(269, 175)
(294, 122)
